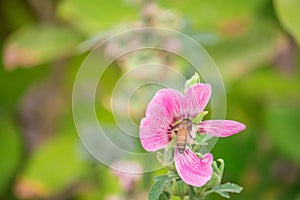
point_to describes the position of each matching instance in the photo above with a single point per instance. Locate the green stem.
(200, 192)
(164, 196)
(208, 192)
(191, 192)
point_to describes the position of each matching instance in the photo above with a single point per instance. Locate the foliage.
(288, 14)
(254, 43)
(172, 184)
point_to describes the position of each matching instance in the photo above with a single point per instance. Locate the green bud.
(179, 188)
(214, 180)
(221, 167)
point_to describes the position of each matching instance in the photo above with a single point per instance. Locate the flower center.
(182, 130)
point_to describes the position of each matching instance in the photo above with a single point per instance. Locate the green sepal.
(192, 81)
(218, 169)
(214, 180)
(199, 118)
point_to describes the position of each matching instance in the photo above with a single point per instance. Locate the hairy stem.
(192, 194)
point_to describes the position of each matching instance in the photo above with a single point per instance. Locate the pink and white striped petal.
(196, 98)
(221, 128)
(192, 169)
(154, 130)
(162, 112)
(170, 101)
(167, 107)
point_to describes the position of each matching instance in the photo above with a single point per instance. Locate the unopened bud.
(214, 180)
(179, 188)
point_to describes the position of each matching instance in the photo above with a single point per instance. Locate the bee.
(182, 130)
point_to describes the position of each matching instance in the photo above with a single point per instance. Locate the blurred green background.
(254, 43)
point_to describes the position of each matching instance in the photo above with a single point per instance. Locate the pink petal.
(167, 107)
(192, 169)
(170, 101)
(162, 112)
(196, 98)
(154, 131)
(221, 128)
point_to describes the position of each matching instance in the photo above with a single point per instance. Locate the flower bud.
(214, 180)
(179, 188)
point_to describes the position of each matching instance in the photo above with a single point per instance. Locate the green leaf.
(57, 163)
(223, 194)
(224, 189)
(228, 187)
(11, 151)
(232, 10)
(161, 177)
(38, 44)
(288, 13)
(93, 16)
(157, 188)
(192, 81)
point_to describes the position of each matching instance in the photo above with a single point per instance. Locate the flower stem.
(191, 192)
(208, 192)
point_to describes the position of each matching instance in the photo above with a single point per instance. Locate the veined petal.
(170, 101)
(167, 107)
(161, 113)
(192, 169)
(154, 130)
(196, 98)
(221, 128)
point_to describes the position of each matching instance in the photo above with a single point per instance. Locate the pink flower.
(170, 112)
(130, 176)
